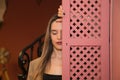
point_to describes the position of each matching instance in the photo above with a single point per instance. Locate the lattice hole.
(85, 18)
(85, 62)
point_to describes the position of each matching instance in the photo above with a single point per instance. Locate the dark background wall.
(24, 21)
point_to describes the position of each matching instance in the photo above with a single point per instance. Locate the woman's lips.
(59, 43)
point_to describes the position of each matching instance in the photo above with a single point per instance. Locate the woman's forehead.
(58, 20)
(57, 24)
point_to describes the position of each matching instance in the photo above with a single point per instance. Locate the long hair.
(47, 49)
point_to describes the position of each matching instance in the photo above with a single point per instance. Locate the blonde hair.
(47, 49)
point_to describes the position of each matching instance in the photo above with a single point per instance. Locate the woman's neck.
(54, 66)
(57, 54)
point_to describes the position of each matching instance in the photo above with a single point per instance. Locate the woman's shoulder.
(34, 64)
(35, 61)
(33, 68)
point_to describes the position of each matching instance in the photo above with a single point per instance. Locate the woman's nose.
(60, 35)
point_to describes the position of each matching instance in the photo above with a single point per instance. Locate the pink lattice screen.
(85, 63)
(86, 40)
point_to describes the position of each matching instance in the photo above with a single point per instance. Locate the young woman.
(49, 65)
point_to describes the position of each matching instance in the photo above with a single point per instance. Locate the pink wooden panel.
(86, 40)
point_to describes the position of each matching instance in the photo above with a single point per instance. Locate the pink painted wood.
(86, 40)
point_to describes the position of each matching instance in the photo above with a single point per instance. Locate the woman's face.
(56, 34)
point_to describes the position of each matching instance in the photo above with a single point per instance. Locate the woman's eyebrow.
(53, 30)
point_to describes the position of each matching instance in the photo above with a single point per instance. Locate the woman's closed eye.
(54, 32)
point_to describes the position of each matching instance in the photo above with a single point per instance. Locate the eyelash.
(54, 33)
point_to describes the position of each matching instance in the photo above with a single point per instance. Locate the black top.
(51, 77)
